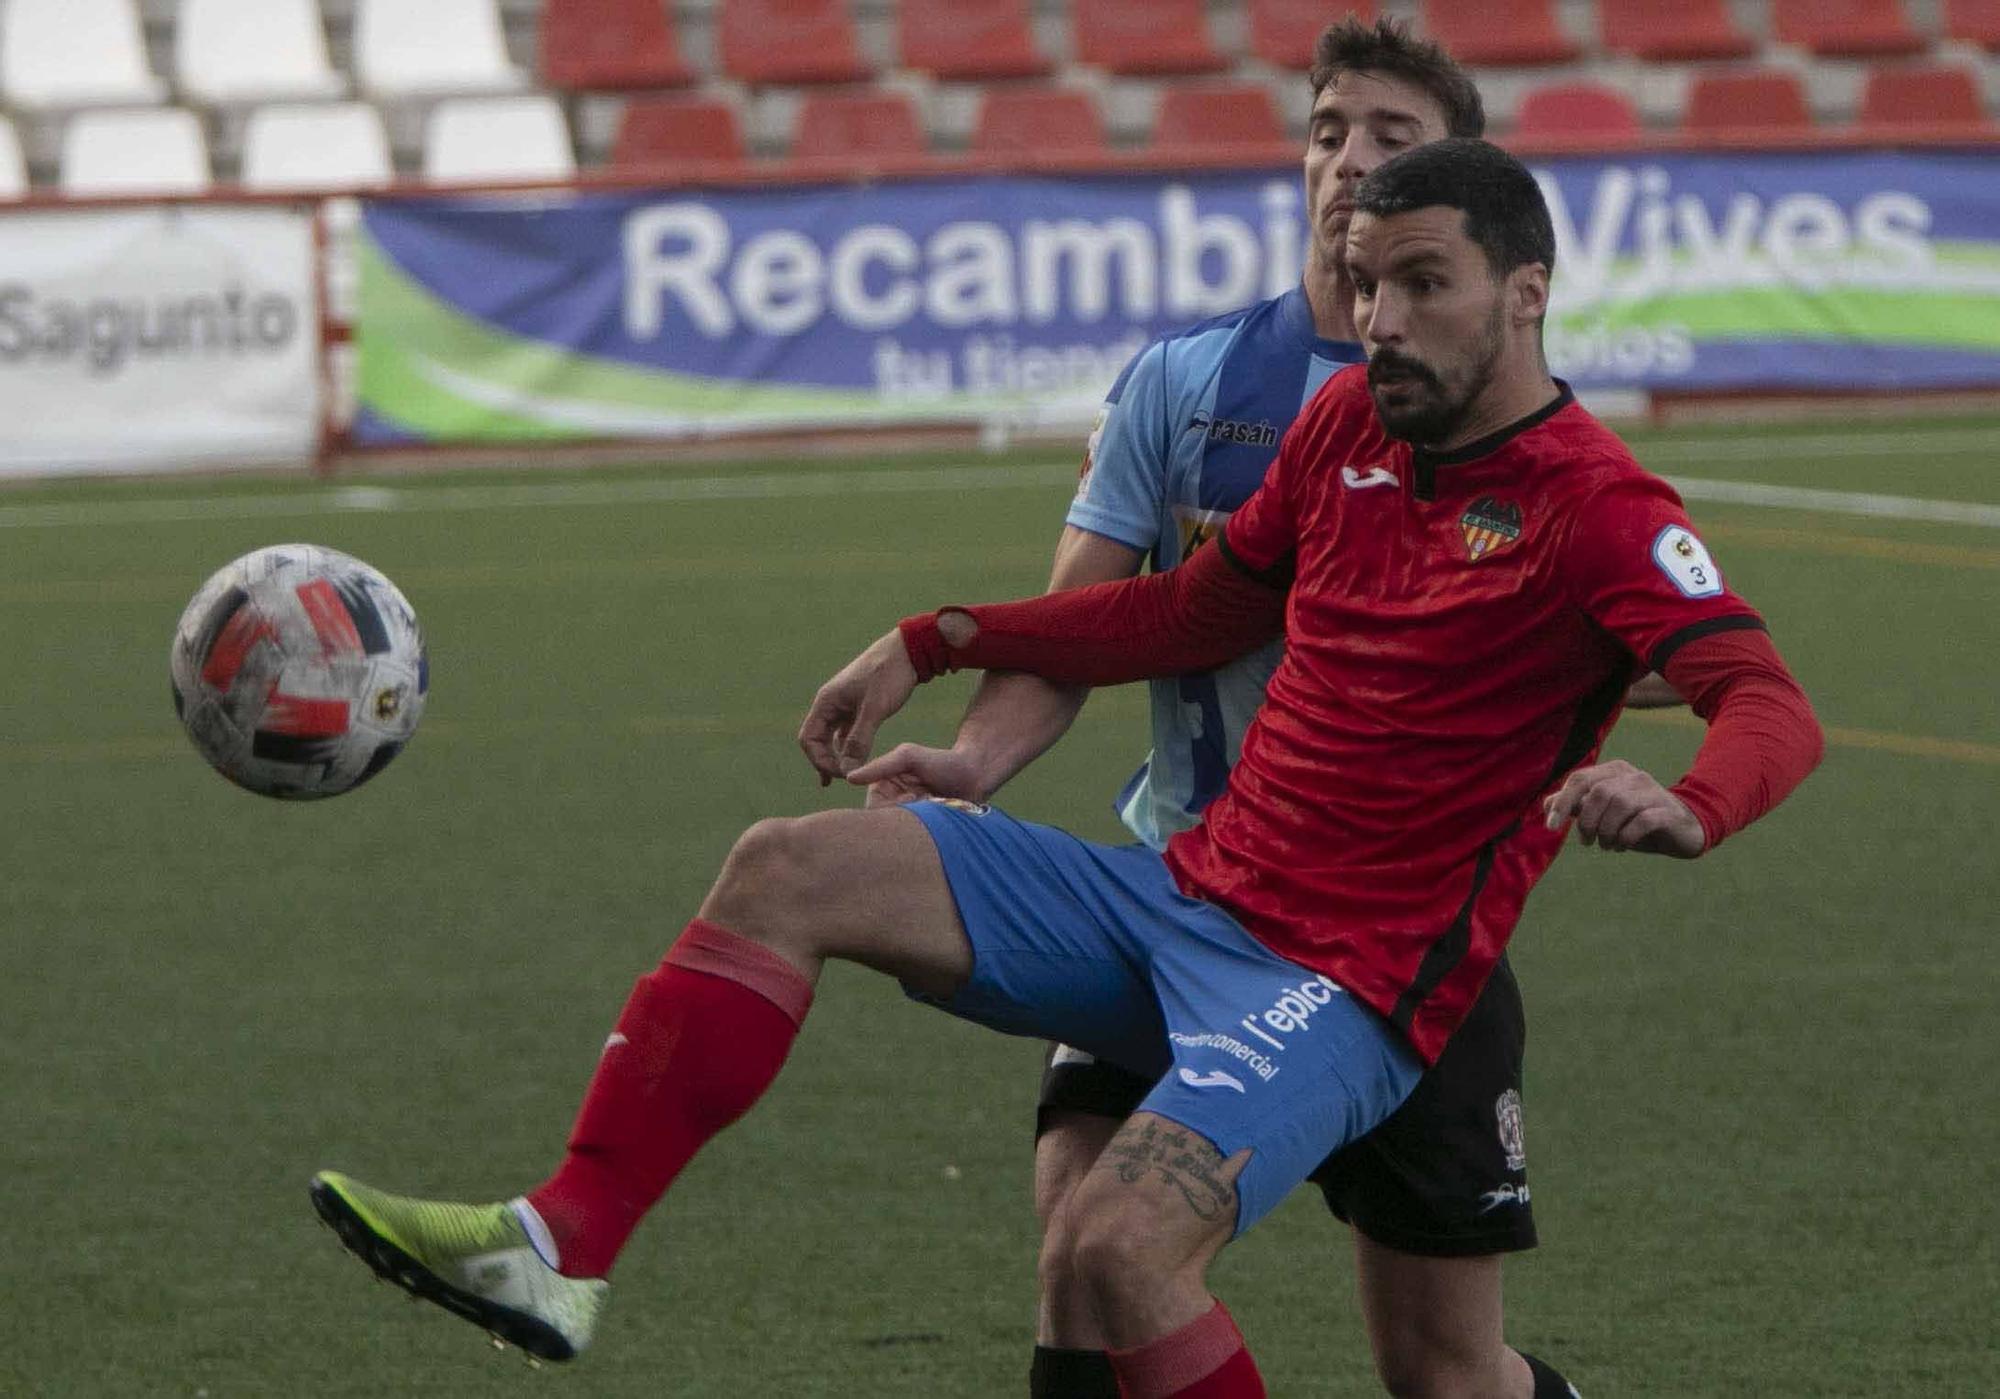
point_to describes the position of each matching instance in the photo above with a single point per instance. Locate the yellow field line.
(1950, 750)
(1806, 541)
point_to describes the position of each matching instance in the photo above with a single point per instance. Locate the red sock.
(698, 1042)
(1205, 1359)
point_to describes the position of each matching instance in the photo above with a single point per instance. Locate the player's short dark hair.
(1387, 47)
(1504, 210)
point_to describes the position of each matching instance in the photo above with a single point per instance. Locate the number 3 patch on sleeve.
(1687, 564)
(1685, 561)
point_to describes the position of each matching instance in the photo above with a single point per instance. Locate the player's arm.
(1014, 717)
(1639, 570)
(1762, 741)
(1206, 612)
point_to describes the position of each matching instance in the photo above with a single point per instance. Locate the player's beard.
(1435, 403)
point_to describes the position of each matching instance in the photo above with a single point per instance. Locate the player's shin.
(697, 1044)
(1206, 1359)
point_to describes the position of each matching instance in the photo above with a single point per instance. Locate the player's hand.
(911, 772)
(1618, 807)
(840, 727)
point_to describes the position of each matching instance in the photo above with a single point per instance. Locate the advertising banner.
(157, 337)
(1018, 299)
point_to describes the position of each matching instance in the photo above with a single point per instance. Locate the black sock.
(1548, 1383)
(1072, 1374)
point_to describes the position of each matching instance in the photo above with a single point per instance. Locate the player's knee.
(1121, 1245)
(1419, 1366)
(765, 880)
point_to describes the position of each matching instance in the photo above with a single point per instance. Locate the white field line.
(774, 485)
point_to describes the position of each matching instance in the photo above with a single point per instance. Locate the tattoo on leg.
(1178, 1158)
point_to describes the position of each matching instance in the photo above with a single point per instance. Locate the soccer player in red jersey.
(1467, 570)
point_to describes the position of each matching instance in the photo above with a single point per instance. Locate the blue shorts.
(1093, 945)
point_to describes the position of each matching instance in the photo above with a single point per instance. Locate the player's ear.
(1528, 293)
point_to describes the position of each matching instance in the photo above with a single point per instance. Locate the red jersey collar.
(1426, 462)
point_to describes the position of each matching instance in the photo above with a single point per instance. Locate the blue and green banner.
(1017, 300)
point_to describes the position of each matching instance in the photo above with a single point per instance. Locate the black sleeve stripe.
(1278, 575)
(1740, 621)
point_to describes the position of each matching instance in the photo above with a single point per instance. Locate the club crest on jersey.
(1490, 525)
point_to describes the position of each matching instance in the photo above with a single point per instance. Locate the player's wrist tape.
(924, 641)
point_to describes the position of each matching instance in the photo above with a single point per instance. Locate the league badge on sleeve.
(1090, 454)
(1685, 561)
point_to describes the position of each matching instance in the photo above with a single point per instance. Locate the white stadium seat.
(498, 138)
(252, 50)
(156, 151)
(74, 53)
(13, 169)
(403, 49)
(340, 145)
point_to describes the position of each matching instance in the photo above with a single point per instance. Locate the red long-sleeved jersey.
(1460, 630)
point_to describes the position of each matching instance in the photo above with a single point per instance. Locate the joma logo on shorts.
(1292, 1011)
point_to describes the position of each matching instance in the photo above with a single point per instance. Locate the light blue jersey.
(1186, 435)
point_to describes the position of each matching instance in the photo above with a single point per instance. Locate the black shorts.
(1446, 1175)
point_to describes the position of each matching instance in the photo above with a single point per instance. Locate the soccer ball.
(299, 672)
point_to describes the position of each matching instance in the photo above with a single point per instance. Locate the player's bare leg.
(700, 1040)
(863, 886)
(1065, 1317)
(1148, 1219)
(1435, 1325)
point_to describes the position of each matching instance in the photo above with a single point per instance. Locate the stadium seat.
(1019, 121)
(1577, 111)
(610, 45)
(857, 124)
(657, 131)
(1145, 37)
(1845, 28)
(1196, 118)
(790, 41)
(1499, 33)
(1973, 22)
(1687, 29)
(252, 51)
(1284, 32)
(340, 145)
(969, 39)
(436, 48)
(474, 139)
(74, 53)
(1769, 99)
(13, 169)
(156, 150)
(1937, 99)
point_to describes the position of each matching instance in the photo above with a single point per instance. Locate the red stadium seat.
(976, 39)
(1145, 36)
(1846, 28)
(857, 124)
(789, 41)
(1765, 100)
(610, 45)
(1200, 117)
(1283, 32)
(1688, 29)
(1936, 99)
(1973, 22)
(1499, 33)
(1582, 111)
(1018, 121)
(657, 131)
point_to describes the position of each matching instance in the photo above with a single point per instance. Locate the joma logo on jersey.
(1490, 525)
(1248, 434)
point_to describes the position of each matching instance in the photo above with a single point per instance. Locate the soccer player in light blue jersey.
(1439, 1192)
